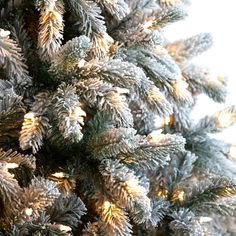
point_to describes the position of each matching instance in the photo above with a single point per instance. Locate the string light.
(204, 219)
(81, 63)
(163, 193)
(160, 122)
(11, 165)
(178, 196)
(106, 205)
(4, 33)
(167, 120)
(132, 183)
(59, 175)
(181, 196)
(229, 191)
(28, 211)
(225, 119)
(153, 94)
(29, 116)
(65, 228)
(148, 24)
(77, 114)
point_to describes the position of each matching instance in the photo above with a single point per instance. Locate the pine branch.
(33, 129)
(117, 9)
(201, 80)
(42, 103)
(12, 61)
(155, 150)
(160, 208)
(101, 44)
(218, 121)
(112, 142)
(67, 211)
(50, 27)
(17, 158)
(114, 221)
(40, 227)
(124, 74)
(69, 113)
(148, 17)
(19, 34)
(115, 105)
(142, 37)
(169, 3)
(89, 15)
(11, 111)
(91, 229)
(182, 171)
(9, 196)
(185, 223)
(157, 64)
(89, 90)
(38, 196)
(69, 58)
(183, 50)
(169, 15)
(125, 188)
(210, 193)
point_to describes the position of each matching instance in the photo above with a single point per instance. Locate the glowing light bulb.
(180, 85)
(11, 165)
(132, 183)
(158, 122)
(106, 205)
(163, 193)
(65, 228)
(29, 115)
(204, 219)
(181, 196)
(59, 175)
(4, 33)
(81, 63)
(225, 119)
(154, 137)
(28, 211)
(148, 24)
(77, 112)
(167, 120)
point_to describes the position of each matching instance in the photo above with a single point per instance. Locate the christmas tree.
(95, 130)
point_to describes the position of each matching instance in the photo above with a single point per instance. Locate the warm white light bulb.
(106, 205)
(181, 85)
(81, 63)
(11, 165)
(132, 183)
(4, 33)
(28, 211)
(65, 228)
(181, 196)
(167, 120)
(29, 115)
(59, 175)
(148, 24)
(204, 219)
